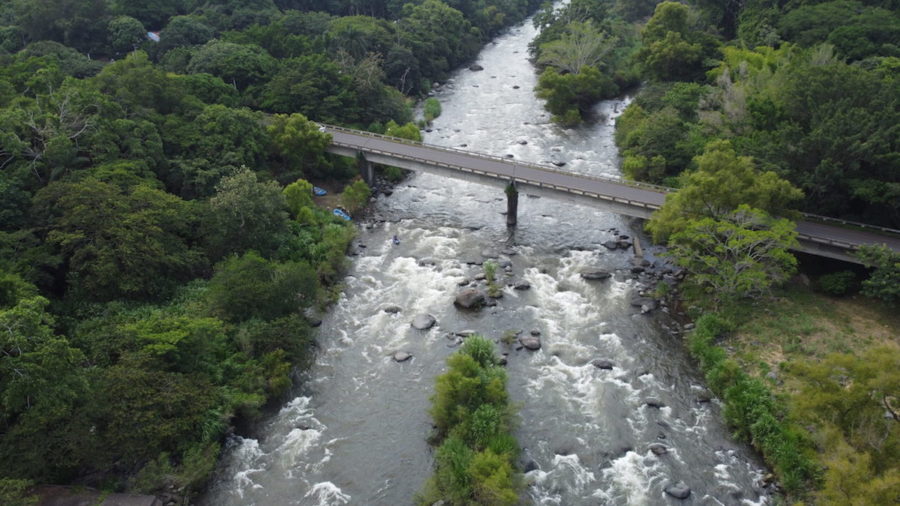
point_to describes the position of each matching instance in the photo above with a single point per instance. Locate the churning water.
(355, 432)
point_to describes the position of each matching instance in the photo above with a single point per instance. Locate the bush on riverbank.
(811, 381)
(474, 462)
(431, 109)
(751, 409)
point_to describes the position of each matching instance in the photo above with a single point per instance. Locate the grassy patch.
(821, 420)
(800, 323)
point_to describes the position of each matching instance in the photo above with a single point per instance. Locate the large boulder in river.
(469, 298)
(653, 402)
(532, 343)
(423, 322)
(659, 449)
(594, 274)
(475, 67)
(521, 285)
(402, 356)
(641, 302)
(602, 363)
(678, 490)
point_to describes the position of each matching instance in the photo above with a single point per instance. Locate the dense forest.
(161, 256)
(808, 89)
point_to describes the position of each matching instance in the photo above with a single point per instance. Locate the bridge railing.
(507, 161)
(850, 224)
(635, 184)
(514, 177)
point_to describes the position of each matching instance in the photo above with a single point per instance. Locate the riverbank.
(811, 381)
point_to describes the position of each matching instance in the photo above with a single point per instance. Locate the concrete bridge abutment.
(512, 204)
(366, 169)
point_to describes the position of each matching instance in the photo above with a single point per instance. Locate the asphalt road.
(511, 169)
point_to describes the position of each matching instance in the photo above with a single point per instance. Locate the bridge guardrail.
(507, 161)
(866, 226)
(517, 179)
(635, 184)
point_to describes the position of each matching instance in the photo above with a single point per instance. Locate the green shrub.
(356, 196)
(474, 463)
(750, 408)
(15, 492)
(884, 281)
(490, 276)
(838, 283)
(393, 174)
(492, 479)
(252, 287)
(431, 109)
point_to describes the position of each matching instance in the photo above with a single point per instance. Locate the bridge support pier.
(366, 169)
(512, 205)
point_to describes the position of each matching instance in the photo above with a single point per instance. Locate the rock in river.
(643, 301)
(659, 449)
(469, 298)
(392, 309)
(678, 490)
(653, 402)
(594, 274)
(602, 363)
(522, 285)
(424, 322)
(531, 342)
(611, 244)
(402, 356)
(475, 67)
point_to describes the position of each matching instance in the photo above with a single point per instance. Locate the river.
(355, 431)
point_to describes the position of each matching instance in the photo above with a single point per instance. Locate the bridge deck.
(811, 230)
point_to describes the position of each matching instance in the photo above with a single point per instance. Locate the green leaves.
(125, 34)
(356, 195)
(299, 144)
(853, 401)
(581, 44)
(569, 96)
(251, 287)
(119, 243)
(474, 463)
(722, 182)
(244, 214)
(673, 49)
(740, 255)
(241, 65)
(298, 196)
(884, 282)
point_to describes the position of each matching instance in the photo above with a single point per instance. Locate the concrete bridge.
(817, 235)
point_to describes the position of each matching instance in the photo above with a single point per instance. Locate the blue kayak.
(340, 213)
(318, 192)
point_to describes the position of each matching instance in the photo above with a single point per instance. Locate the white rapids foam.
(326, 494)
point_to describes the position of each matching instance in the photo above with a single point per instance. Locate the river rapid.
(355, 431)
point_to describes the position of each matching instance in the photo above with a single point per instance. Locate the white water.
(355, 433)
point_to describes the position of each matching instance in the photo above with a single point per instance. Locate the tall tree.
(118, 243)
(735, 256)
(582, 44)
(722, 182)
(299, 144)
(245, 214)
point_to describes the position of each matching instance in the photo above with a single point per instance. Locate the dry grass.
(801, 323)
